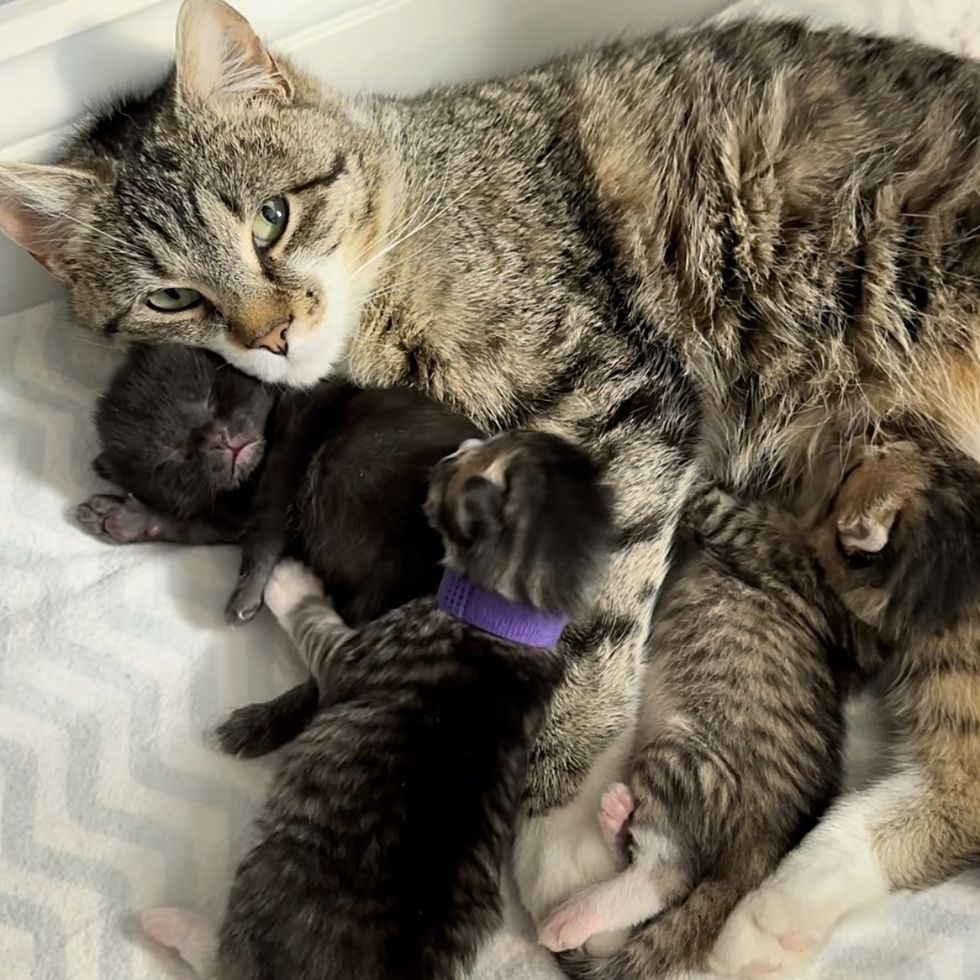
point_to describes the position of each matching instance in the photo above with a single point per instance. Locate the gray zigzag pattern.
(123, 653)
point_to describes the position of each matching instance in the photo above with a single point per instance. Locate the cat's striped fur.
(381, 846)
(708, 251)
(901, 549)
(738, 744)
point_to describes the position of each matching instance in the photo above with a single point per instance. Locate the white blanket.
(115, 659)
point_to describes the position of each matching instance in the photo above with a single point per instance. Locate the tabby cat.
(381, 846)
(705, 253)
(738, 742)
(901, 549)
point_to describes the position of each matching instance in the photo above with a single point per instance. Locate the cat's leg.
(556, 855)
(295, 597)
(835, 870)
(641, 891)
(125, 520)
(910, 830)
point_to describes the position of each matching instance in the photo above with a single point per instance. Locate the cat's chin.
(316, 351)
(317, 355)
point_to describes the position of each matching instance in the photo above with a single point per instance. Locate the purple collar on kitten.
(492, 613)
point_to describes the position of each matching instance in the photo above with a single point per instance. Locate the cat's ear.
(187, 933)
(36, 209)
(220, 57)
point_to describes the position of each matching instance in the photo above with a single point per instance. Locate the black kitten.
(183, 434)
(336, 476)
(383, 839)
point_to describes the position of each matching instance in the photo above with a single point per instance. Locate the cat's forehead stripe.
(337, 170)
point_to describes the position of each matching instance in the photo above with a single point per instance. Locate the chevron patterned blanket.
(115, 660)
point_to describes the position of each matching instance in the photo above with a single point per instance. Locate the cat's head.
(527, 515)
(233, 208)
(178, 427)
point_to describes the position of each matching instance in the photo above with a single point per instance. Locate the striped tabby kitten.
(738, 742)
(901, 547)
(384, 837)
(704, 253)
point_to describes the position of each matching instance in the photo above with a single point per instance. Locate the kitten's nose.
(275, 340)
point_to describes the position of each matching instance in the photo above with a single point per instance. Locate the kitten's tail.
(674, 943)
(260, 728)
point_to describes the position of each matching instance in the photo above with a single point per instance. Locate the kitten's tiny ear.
(188, 933)
(36, 205)
(220, 57)
(479, 510)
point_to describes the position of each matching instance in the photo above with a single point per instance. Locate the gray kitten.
(382, 842)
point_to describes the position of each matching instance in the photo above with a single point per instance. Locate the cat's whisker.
(427, 202)
(404, 238)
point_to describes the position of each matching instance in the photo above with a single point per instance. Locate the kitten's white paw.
(773, 932)
(188, 933)
(572, 924)
(290, 583)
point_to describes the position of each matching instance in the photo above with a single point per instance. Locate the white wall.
(56, 56)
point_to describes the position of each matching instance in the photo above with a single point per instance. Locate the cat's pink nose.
(275, 340)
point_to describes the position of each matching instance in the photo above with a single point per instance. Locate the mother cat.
(715, 252)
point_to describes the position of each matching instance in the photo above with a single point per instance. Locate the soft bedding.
(115, 660)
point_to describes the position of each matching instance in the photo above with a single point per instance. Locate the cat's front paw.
(772, 933)
(289, 584)
(121, 520)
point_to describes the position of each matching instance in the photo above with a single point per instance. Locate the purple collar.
(492, 613)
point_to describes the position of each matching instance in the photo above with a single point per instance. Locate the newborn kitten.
(742, 677)
(342, 486)
(901, 548)
(183, 434)
(382, 842)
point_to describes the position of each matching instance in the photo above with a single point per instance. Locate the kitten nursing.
(703, 255)
(765, 626)
(901, 548)
(742, 676)
(382, 842)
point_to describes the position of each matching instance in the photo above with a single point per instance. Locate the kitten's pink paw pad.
(797, 942)
(570, 926)
(121, 520)
(289, 584)
(618, 804)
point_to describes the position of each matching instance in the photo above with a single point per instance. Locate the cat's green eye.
(270, 222)
(173, 300)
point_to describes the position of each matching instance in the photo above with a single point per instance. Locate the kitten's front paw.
(290, 583)
(773, 932)
(245, 602)
(121, 520)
